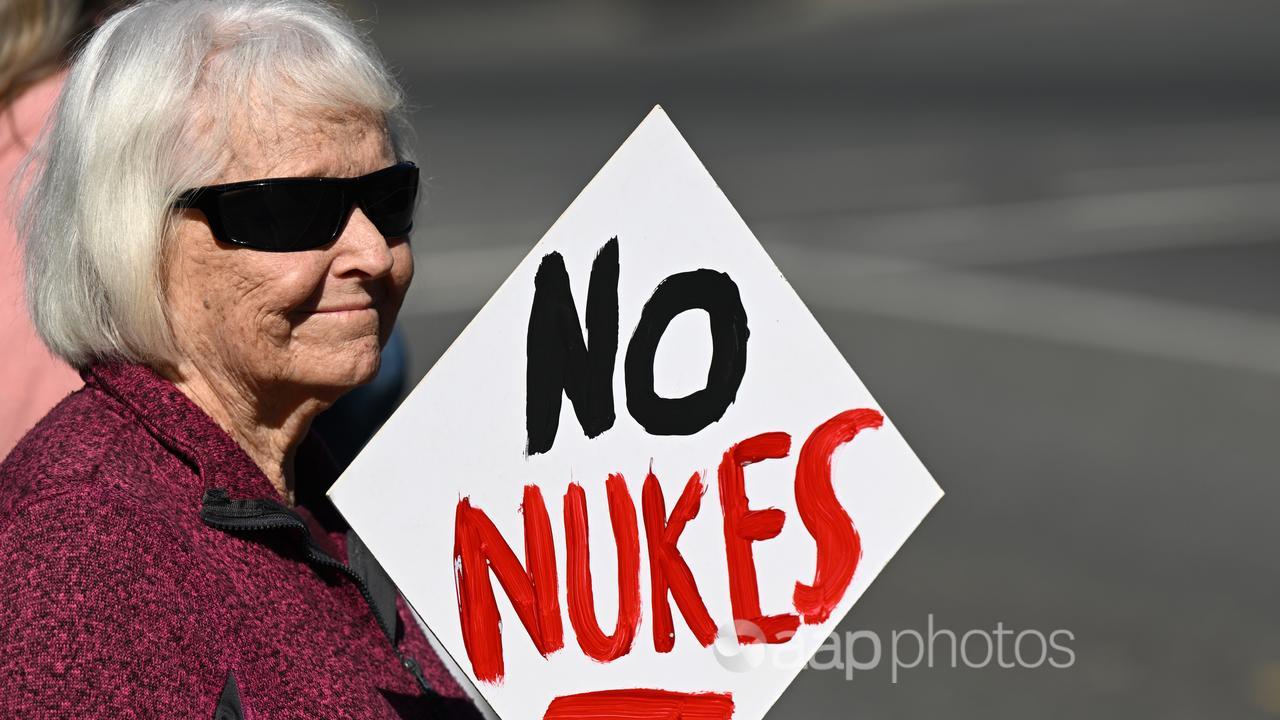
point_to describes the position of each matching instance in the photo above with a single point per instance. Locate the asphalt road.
(1046, 235)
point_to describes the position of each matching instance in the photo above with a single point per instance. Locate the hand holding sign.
(478, 496)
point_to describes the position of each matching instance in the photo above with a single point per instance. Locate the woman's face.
(314, 319)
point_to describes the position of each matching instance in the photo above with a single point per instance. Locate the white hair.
(142, 117)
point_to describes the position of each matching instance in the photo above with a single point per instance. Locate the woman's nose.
(361, 249)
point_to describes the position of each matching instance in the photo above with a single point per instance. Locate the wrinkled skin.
(265, 340)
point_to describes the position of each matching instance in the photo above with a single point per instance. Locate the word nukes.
(533, 587)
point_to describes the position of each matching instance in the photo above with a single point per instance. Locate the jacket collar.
(187, 431)
(237, 496)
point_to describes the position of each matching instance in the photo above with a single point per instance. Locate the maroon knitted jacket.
(148, 570)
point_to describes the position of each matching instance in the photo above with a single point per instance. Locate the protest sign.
(642, 482)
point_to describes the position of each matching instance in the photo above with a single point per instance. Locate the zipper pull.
(416, 670)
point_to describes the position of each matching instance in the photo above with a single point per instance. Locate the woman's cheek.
(287, 281)
(270, 296)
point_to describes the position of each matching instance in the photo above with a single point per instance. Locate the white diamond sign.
(642, 482)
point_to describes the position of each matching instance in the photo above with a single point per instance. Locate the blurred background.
(1045, 234)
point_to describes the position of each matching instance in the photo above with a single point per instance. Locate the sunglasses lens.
(282, 217)
(289, 214)
(388, 198)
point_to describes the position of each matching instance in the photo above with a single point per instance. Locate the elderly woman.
(217, 238)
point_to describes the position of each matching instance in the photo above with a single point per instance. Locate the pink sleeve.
(33, 380)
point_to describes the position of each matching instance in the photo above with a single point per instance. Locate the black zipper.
(219, 511)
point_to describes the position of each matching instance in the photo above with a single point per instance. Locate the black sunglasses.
(303, 213)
